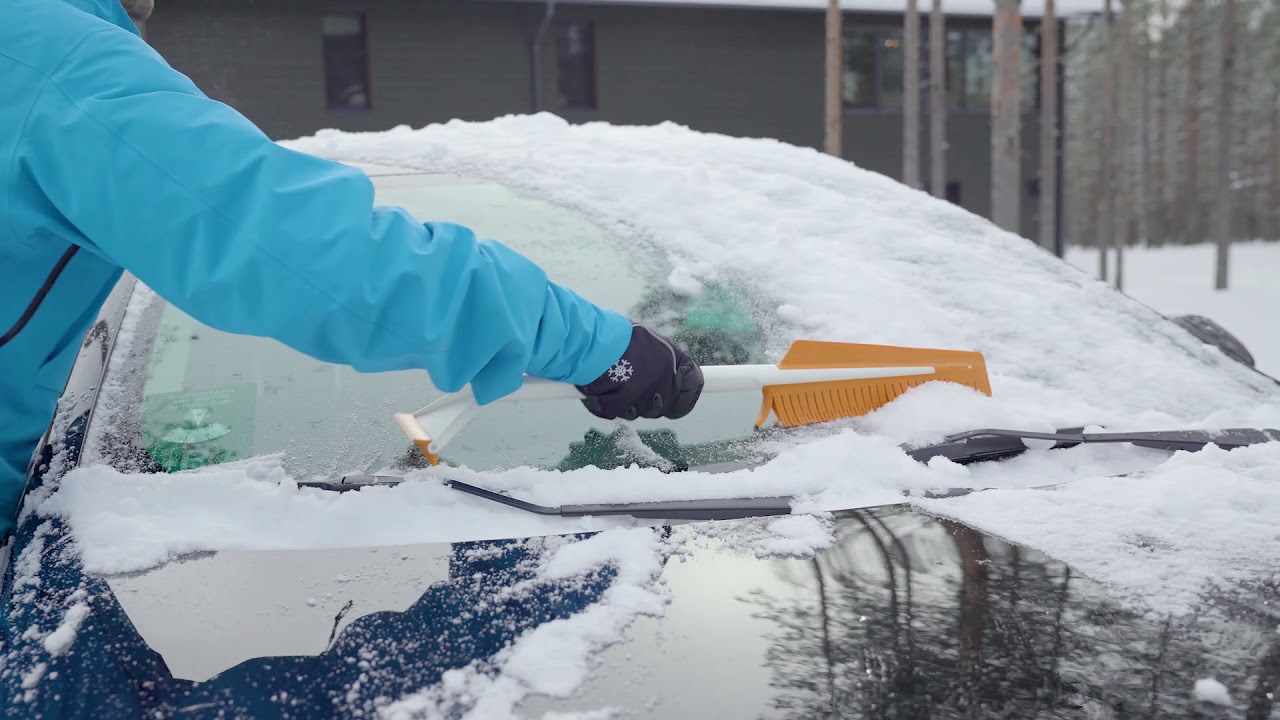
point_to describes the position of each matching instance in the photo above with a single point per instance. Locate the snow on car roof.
(981, 8)
(841, 254)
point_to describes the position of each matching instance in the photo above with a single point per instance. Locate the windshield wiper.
(713, 509)
(721, 509)
(997, 444)
(963, 448)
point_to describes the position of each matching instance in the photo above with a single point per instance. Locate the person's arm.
(139, 166)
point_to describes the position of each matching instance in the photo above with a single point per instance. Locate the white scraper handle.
(432, 427)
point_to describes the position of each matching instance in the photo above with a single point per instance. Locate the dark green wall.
(751, 73)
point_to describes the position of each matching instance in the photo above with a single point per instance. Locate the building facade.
(298, 66)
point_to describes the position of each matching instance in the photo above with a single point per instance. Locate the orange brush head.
(810, 403)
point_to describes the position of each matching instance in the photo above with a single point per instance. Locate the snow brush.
(815, 382)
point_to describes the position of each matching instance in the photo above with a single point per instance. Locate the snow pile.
(1178, 280)
(798, 535)
(1211, 691)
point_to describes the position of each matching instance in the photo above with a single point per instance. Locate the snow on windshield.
(847, 255)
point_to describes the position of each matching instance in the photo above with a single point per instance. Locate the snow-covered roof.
(981, 8)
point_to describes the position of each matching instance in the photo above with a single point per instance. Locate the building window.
(576, 65)
(346, 62)
(951, 190)
(874, 69)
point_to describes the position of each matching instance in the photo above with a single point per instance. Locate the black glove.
(653, 379)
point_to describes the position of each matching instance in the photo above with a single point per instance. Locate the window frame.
(366, 71)
(592, 88)
(957, 104)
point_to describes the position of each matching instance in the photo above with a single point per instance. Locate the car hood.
(902, 615)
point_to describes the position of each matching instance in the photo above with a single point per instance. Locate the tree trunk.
(938, 101)
(1106, 163)
(1048, 126)
(835, 68)
(1143, 145)
(1006, 145)
(1222, 193)
(1274, 154)
(1126, 127)
(1190, 204)
(911, 96)
(1164, 198)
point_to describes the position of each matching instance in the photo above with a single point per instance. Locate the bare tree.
(835, 67)
(1006, 135)
(938, 101)
(1191, 185)
(1048, 125)
(911, 96)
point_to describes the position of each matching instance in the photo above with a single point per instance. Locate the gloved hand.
(653, 379)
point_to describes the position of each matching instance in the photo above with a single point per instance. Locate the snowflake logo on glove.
(621, 372)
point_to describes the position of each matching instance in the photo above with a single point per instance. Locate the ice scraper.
(814, 382)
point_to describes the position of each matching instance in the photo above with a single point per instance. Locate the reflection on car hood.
(904, 616)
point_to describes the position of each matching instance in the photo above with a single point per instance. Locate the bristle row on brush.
(823, 402)
(811, 403)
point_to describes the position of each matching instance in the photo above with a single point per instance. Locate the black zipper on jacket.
(40, 295)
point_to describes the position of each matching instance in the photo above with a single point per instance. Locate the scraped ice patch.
(1158, 539)
(1208, 690)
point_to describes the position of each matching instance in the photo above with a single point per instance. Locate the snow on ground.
(839, 254)
(1178, 280)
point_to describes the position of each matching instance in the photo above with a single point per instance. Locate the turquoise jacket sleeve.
(138, 166)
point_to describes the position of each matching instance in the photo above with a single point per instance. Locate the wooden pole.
(1048, 125)
(911, 96)
(938, 101)
(834, 72)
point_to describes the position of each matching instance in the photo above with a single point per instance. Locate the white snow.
(1211, 691)
(839, 254)
(1157, 538)
(796, 535)
(1178, 280)
(57, 642)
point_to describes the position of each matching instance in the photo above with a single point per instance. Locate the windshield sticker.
(196, 428)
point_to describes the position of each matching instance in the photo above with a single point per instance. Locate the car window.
(211, 397)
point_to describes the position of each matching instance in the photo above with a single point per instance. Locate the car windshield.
(209, 397)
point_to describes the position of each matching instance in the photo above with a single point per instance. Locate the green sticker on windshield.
(195, 428)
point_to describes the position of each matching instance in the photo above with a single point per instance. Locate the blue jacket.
(114, 160)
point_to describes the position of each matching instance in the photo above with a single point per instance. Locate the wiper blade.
(711, 509)
(996, 444)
